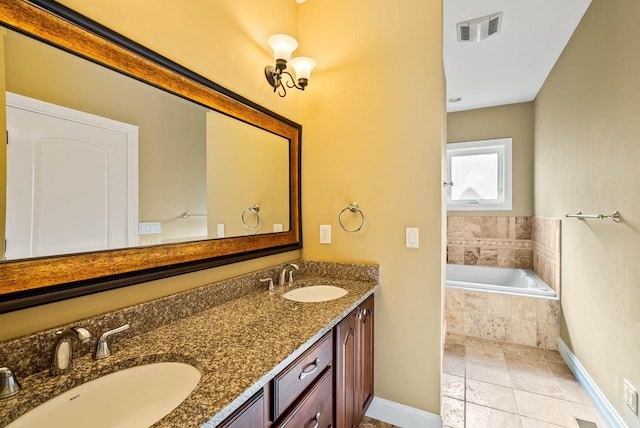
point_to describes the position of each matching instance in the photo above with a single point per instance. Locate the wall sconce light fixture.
(283, 46)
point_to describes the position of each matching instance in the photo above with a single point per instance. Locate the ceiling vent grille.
(478, 29)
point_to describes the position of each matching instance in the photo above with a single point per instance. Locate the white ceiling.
(510, 66)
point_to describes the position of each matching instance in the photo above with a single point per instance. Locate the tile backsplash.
(516, 242)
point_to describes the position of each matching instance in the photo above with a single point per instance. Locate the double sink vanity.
(243, 357)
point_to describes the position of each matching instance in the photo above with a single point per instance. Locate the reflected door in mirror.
(71, 181)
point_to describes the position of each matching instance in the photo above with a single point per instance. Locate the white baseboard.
(606, 410)
(401, 415)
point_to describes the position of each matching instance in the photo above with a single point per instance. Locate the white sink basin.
(135, 397)
(315, 293)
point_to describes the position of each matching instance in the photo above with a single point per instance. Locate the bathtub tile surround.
(546, 250)
(490, 241)
(524, 320)
(512, 242)
(515, 242)
(504, 385)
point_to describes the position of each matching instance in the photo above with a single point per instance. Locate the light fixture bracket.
(275, 75)
(272, 76)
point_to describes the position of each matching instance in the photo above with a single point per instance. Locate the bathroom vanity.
(265, 361)
(338, 369)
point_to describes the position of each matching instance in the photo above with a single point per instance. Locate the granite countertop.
(238, 346)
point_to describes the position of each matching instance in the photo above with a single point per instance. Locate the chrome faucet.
(9, 385)
(284, 272)
(62, 359)
(102, 348)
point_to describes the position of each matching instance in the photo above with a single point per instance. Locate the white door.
(72, 180)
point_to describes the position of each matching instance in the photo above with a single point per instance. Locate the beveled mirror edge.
(43, 280)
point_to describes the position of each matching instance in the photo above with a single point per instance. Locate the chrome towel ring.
(354, 208)
(254, 209)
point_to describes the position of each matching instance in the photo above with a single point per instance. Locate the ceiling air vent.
(478, 29)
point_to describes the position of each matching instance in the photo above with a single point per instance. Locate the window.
(479, 173)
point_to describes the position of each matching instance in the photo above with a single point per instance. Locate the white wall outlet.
(277, 227)
(325, 234)
(412, 237)
(631, 396)
(220, 230)
(149, 228)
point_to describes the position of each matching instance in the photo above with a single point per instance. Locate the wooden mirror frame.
(31, 282)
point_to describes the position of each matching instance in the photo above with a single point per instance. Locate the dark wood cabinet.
(354, 365)
(292, 382)
(329, 385)
(364, 359)
(315, 409)
(250, 415)
(345, 371)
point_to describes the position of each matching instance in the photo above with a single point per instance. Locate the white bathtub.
(500, 280)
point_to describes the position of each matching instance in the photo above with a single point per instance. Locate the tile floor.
(368, 422)
(493, 384)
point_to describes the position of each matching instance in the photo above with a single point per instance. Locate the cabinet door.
(345, 371)
(364, 379)
(250, 415)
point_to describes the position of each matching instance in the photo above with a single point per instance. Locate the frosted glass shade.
(303, 66)
(283, 46)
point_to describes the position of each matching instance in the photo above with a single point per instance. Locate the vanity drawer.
(315, 410)
(292, 381)
(250, 415)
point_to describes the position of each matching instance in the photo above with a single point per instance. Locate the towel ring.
(254, 209)
(354, 208)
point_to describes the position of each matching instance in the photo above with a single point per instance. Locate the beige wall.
(225, 41)
(515, 121)
(375, 137)
(586, 158)
(246, 166)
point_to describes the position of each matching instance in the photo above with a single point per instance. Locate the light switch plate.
(412, 237)
(325, 234)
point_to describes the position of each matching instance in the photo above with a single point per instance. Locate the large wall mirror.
(122, 166)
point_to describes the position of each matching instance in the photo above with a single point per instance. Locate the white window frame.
(501, 146)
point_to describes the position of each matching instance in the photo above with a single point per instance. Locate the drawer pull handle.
(314, 367)
(317, 419)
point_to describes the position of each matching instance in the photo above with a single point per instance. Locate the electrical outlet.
(631, 396)
(149, 228)
(325, 234)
